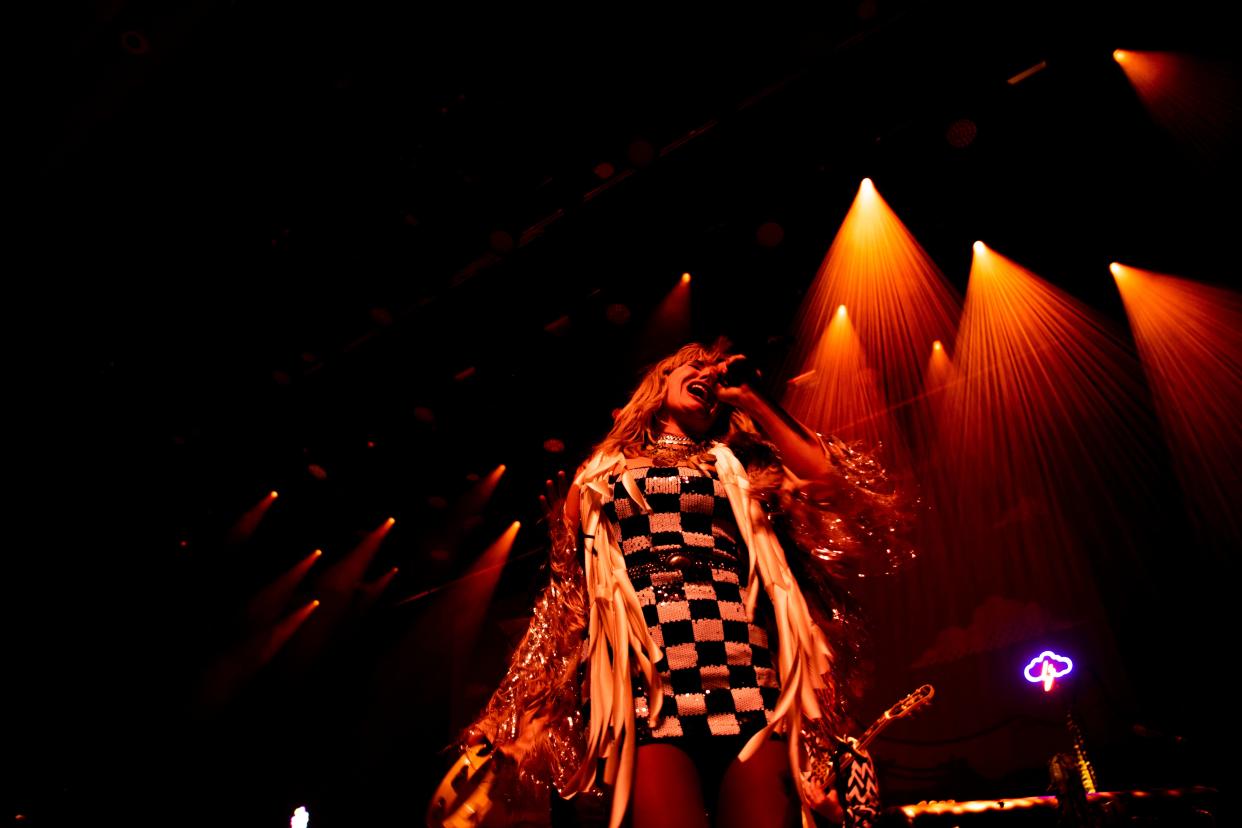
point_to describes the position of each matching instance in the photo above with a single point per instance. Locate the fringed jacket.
(588, 616)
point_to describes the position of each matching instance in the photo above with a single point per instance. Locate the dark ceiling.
(273, 235)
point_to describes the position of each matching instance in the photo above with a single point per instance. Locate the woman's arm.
(837, 499)
(541, 679)
(561, 504)
(800, 449)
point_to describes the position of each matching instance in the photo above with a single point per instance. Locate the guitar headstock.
(910, 703)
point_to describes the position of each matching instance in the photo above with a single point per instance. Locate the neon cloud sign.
(1047, 667)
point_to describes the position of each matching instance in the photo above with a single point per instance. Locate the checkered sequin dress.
(687, 566)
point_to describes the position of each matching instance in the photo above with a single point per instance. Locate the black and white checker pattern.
(717, 671)
(688, 512)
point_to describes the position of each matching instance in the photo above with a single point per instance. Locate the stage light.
(870, 358)
(246, 525)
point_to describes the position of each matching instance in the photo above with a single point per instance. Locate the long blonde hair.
(636, 425)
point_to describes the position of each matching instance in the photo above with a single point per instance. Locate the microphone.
(743, 372)
(740, 372)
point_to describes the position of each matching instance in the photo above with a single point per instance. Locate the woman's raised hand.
(734, 395)
(552, 501)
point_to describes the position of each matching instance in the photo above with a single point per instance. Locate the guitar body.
(463, 797)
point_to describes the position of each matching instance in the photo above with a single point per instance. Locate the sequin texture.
(686, 564)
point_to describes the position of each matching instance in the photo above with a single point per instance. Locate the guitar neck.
(903, 708)
(865, 740)
(870, 733)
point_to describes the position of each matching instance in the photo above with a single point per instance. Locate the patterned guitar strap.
(858, 789)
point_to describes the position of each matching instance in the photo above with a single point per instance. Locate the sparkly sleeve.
(858, 520)
(534, 718)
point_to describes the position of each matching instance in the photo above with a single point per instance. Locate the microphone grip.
(743, 372)
(740, 372)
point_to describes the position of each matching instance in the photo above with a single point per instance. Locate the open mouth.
(700, 391)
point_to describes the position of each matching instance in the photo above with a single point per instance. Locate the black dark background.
(263, 235)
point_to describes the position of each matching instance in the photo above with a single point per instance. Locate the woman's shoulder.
(601, 465)
(637, 460)
(632, 465)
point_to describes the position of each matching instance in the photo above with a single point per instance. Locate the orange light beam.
(237, 667)
(337, 586)
(940, 371)
(1044, 433)
(426, 593)
(373, 590)
(669, 324)
(471, 599)
(840, 394)
(473, 501)
(1194, 98)
(898, 301)
(341, 579)
(1189, 338)
(269, 601)
(466, 512)
(249, 521)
